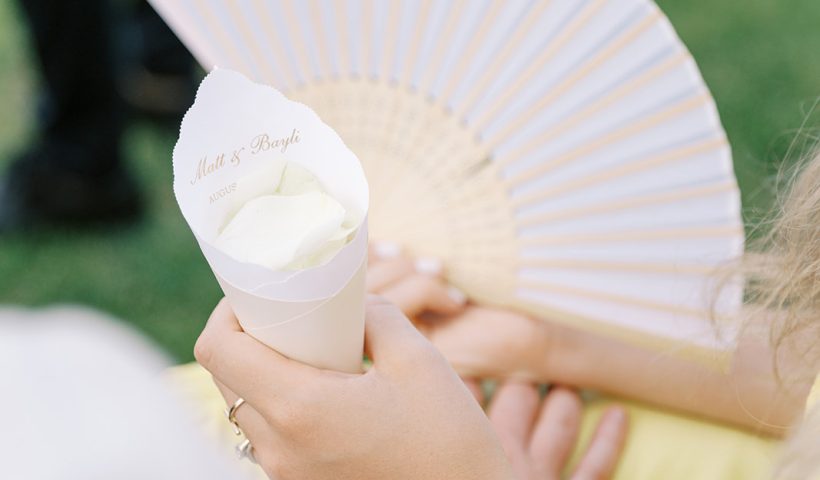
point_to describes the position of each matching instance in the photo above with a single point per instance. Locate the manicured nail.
(387, 249)
(457, 295)
(616, 415)
(428, 266)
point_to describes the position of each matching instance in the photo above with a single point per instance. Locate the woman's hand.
(486, 342)
(408, 417)
(415, 286)
(539, 436)
(478, 341)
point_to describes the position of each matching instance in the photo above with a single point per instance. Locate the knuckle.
(426, 285)
(378, 301)
(203, 350)
(423, 353)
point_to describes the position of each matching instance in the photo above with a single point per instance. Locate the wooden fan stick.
(425, 157)
(478, 200)
(406, 76)
(567, 83)
(367, 39)
(446, 34)
(442, 184)
(196, 42)
(391, 110)
(453, 145)
(216, 29)
(501, 241)
(676, 109)
(475, 41)
(431, 116)
(630, 203)
(406, 136)
(488, 73)
(319, 34)
(293, 29)
(224, 38)
(617, 299)
(372, 149)
(407, 111)
(369, 99)
(648, 162)
(607, 100)
(614, 95)
(566, 34)
(342, 38)
(321, 103)
(392, 30)
(513, 45)
(410, 121)
(630, 267)
(603, 238)
(289, 79)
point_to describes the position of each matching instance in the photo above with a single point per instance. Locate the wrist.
(566, 355)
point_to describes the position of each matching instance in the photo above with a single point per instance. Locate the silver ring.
(230, 414)
(245, 450)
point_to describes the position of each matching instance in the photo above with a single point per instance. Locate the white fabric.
(82, 399)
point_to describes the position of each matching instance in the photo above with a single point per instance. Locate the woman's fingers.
(389, 335)
(604, 450)
(252, 424)
(512, 412)
(384, 273)
(247, 367)
(555, 433)
(387, 265)
(415, 286)
(378, 251)
(418, 294)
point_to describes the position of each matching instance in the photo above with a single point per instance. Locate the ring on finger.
(245, 450)
(230, 414)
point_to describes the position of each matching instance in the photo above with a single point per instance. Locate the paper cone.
(236, 129)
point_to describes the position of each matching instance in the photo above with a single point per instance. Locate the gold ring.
(230, 414)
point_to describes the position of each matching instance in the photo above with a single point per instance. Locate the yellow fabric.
(196, 386)
(660, 445)
(814, 396)
(671, 446)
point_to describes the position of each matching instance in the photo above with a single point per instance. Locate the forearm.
(748, 394)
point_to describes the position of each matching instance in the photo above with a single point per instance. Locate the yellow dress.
(814, 396)
(660, 445)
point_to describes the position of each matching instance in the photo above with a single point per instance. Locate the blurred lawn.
(761, 58)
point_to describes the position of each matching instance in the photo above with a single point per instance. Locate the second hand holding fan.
(562, 157)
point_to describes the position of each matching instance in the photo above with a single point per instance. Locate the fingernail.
(428, 265)
(387, 249)
(616, 415)
(456, 295)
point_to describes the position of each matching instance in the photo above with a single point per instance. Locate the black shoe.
(36, 193)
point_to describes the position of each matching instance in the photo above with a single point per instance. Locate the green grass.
(761, 59)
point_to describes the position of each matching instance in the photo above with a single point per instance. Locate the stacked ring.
(230, 414)
(245, 450)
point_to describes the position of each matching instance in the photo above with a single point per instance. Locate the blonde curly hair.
(783, 273)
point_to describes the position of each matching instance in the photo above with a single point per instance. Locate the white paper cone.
(236, 129)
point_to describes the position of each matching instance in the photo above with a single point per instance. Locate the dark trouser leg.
(81, 118)
(73, 173)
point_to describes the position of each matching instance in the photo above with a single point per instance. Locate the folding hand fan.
(563, 157)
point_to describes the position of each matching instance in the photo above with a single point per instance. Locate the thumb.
(388, 334)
